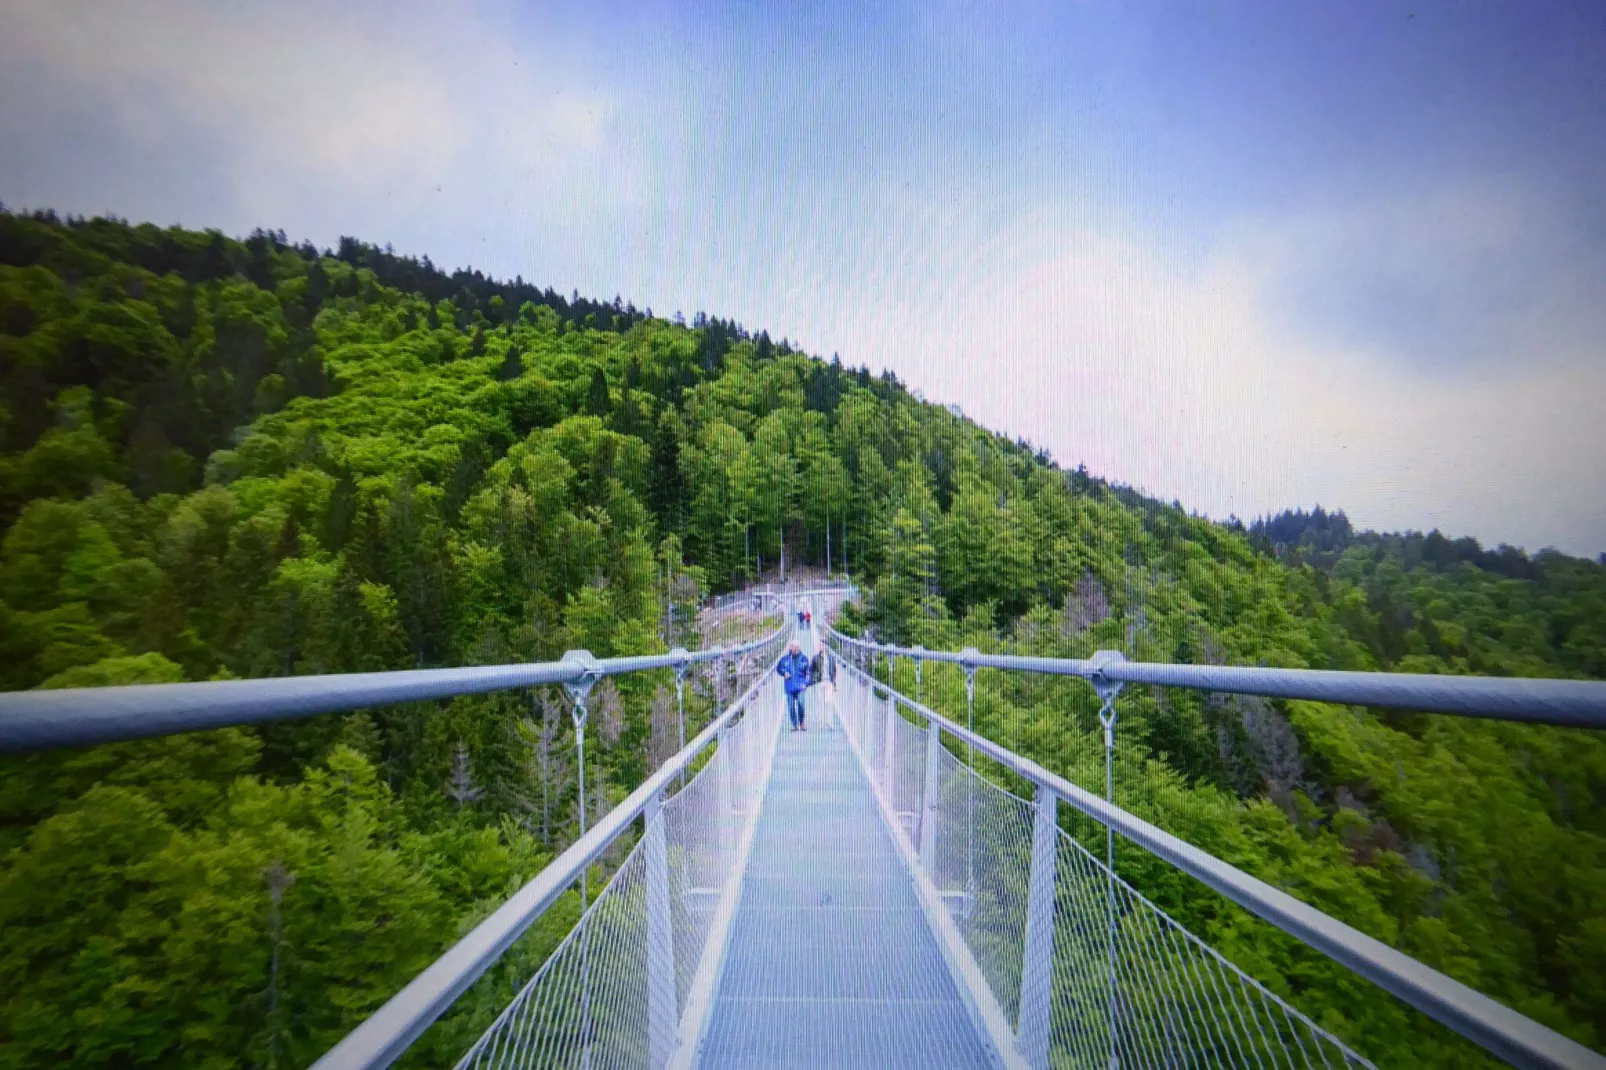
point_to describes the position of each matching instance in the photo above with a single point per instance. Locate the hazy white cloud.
(1241, 372)
(1462, 274)
(1183, 379)
(307, 100)
(288, 81)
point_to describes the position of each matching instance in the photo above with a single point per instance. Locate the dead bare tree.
(1139, 584)
(1258, 747)
(608, 711)
(548, 773)
(663, 736)
(1085, 606)
(1275, 747)
(278, 878)
(462, 789)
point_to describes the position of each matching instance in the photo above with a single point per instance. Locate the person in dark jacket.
(794, 669)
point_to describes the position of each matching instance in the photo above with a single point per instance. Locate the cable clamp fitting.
(579, 688)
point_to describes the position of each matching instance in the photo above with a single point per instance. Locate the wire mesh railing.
(1501, 1031)
(588, 997)
(1171, 999)
(1085, 970)
(615, 993)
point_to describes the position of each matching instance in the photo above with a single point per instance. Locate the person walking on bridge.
(794, 669)
(822, 671)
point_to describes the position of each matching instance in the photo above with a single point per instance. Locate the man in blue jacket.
(794, 669)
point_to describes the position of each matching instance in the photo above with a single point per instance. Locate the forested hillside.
(251, 458)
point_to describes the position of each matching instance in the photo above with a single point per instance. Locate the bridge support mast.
(928, 809)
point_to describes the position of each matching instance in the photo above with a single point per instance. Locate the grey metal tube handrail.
(34, 720)
(1493, 1026)
(1568, 703)
(804, 592)
(389, 1031)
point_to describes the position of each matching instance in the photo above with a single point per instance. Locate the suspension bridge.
(859, 893)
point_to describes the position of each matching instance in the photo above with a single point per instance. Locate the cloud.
(1466, 273)
(336, 99)
(1187, 379)
(359, 100)
(1433, 357)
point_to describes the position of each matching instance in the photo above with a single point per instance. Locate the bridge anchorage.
(860, 893)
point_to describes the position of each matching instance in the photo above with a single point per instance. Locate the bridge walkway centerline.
(831, 960)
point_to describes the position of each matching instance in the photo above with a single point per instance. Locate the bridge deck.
(831, 962)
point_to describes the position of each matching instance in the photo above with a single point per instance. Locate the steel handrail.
(1567, 703)
(35, 720)
(803, 592)
(1495, 1027)
(382, 1038)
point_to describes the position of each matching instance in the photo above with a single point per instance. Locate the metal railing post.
(890, 705)
(681, 668)
(928, 810)
(866, 713)
(1037, 965)
(860, 689)
(918, 663)
(662, 1016)
(846, 693)
(726, 755)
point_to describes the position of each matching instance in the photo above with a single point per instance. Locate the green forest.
(231, 458)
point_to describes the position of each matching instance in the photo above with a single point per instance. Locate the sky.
(1244, 255)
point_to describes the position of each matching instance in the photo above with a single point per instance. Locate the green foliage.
(226, 458)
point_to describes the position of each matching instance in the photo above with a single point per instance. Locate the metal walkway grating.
(831, 962)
